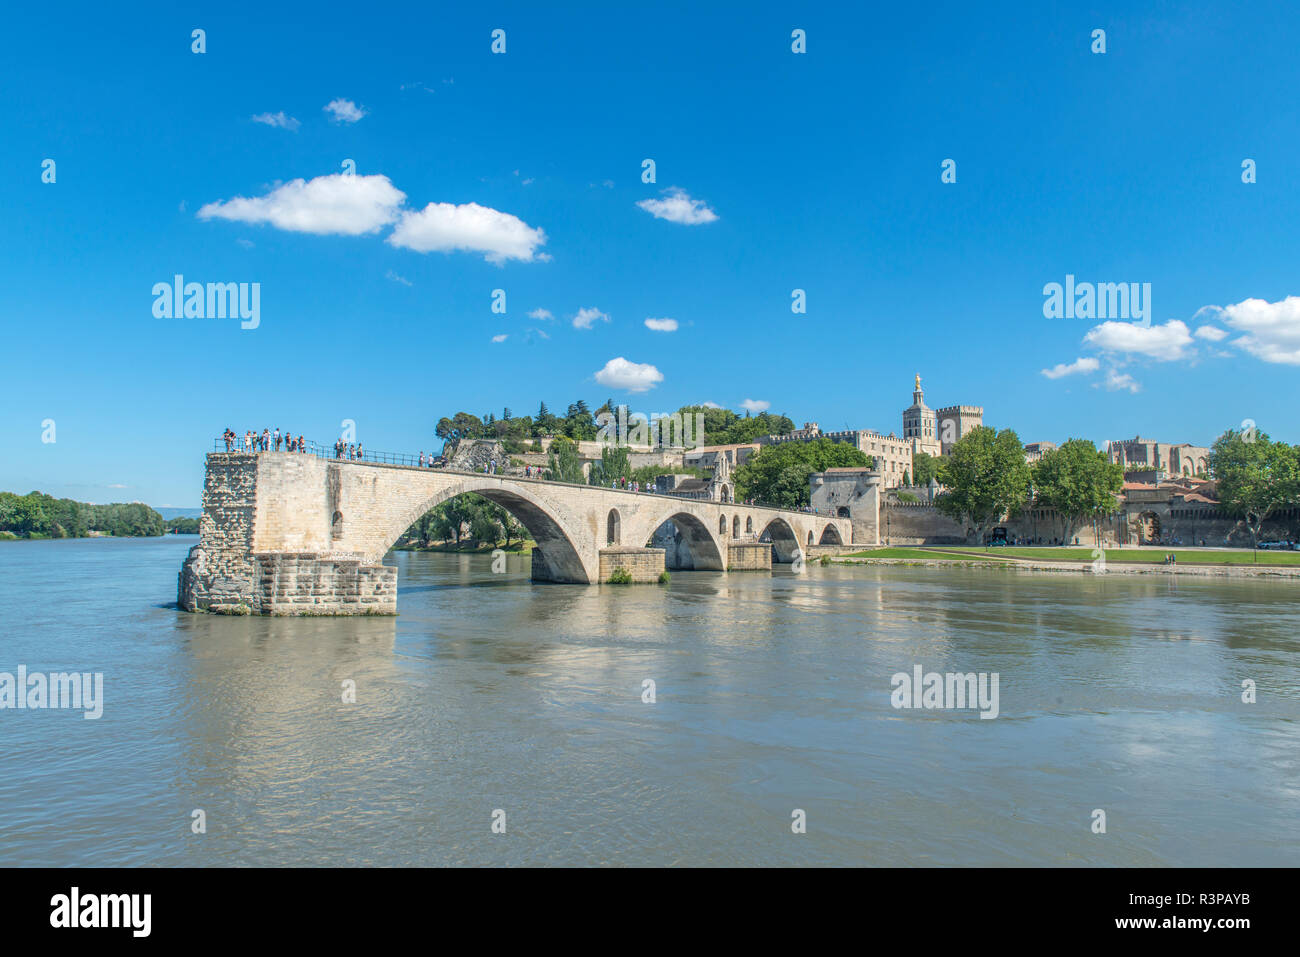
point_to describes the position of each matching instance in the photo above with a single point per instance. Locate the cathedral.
(934, 431)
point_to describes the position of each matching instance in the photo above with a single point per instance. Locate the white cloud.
(444, 227)
(246, 243)
(710, 405)
(661, 325)
(396, 278)
(344, 111)
(1272, 329)
(281, 120)
(500, 338)
(1212, 333)
(541, 314)
(630, 376)
(119, 485)
(678, 207)
(586, 318)
(1165, 342)
(756, 405)
(1082, 364)
(1117, 381)
(340, 203)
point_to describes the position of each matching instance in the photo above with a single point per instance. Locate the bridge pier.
(749, 556)
(643, 564)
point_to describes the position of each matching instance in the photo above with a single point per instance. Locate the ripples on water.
(773, 693)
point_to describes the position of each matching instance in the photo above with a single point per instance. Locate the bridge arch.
(784, 540)
(831, 536)
(688, 542)
(557, 556)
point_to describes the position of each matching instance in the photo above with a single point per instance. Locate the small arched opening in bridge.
(831, 536)
(612, 527)
(726, 493)
(687, 543)
(842, 512)
(810, 536)
(735, 526)
(749, 524)
(785, 543)
(336, 525)
(722, 525)
(555, 559)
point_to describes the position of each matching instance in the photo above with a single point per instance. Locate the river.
(772, 692)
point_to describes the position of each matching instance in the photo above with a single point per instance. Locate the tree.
(778, 474)
(463, 425)
(614, 464)
(1079, 482)
(925, 467)
(986, 476)
(484, 528)
(1255, 476)
(563, 462)
(544, 423)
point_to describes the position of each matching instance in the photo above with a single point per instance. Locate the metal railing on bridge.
(367, 457)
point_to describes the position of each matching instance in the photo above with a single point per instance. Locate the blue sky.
(818, 171)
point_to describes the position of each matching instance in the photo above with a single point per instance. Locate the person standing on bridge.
(360, 453)
(277, 438)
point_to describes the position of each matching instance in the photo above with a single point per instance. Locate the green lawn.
(914, 554)
(1155, 556)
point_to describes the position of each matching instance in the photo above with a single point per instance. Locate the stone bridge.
(291, 533)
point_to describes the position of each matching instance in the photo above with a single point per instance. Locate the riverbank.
(1203, 563)
(468, 548)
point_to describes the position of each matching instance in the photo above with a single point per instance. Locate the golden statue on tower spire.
(918, 382)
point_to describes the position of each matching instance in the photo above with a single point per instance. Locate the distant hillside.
(37, 515)
(168, 513)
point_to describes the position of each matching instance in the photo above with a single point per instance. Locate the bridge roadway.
(291, 533)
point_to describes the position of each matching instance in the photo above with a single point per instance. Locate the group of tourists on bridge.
(352, 452)
(631, 485)
(265, 441)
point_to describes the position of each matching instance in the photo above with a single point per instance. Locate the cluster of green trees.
(578, 423)
(615, 465)
(724, 427)
(987, 478)
(37, 515)
(1255, 477)
(721, 426)
(778, 474)
(466, 517)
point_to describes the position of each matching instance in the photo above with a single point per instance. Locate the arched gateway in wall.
(285, 533)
